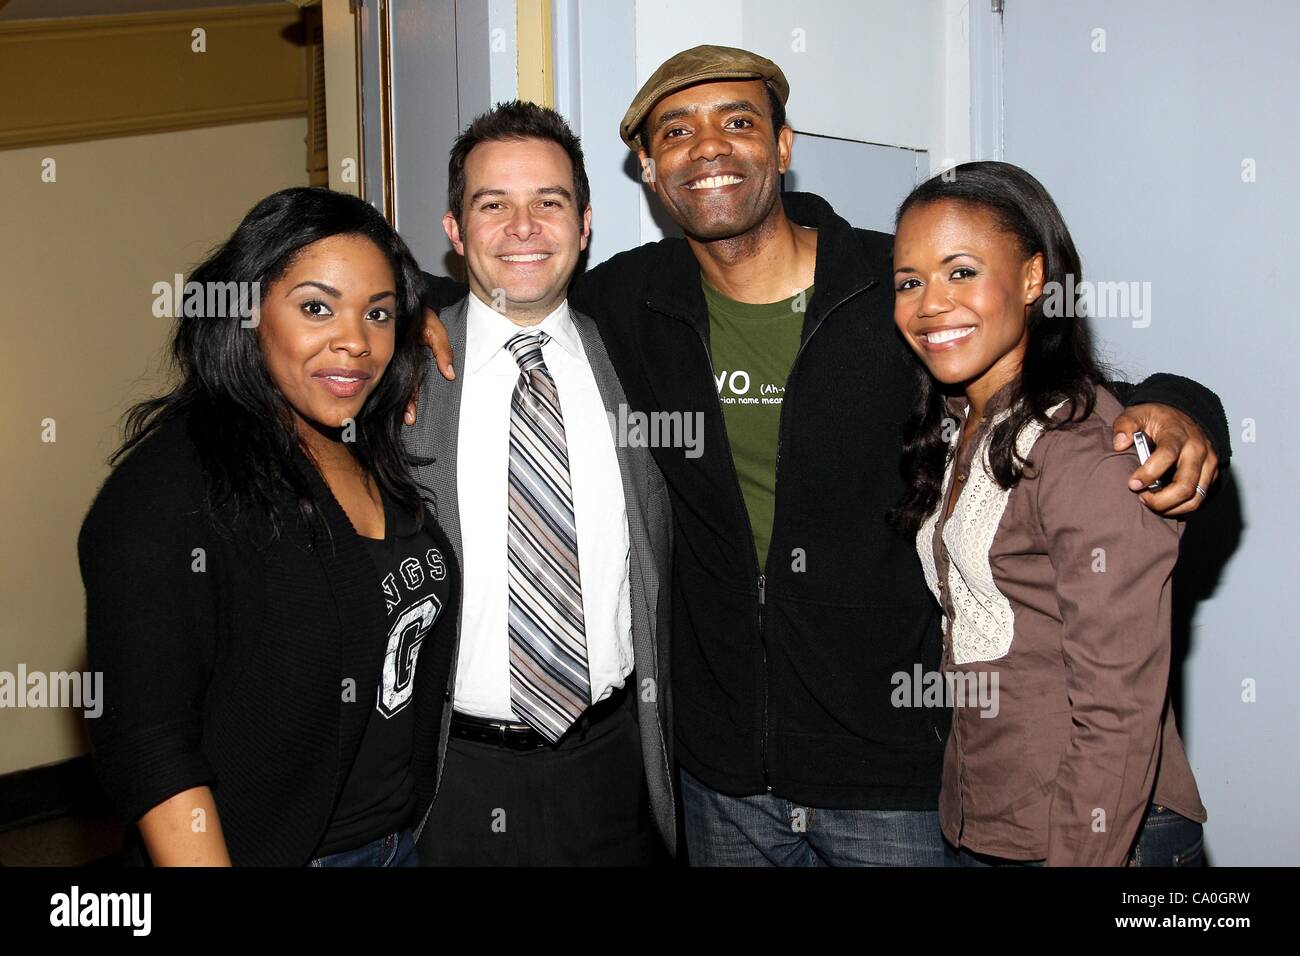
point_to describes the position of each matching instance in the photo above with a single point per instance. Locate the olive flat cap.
(700, 64)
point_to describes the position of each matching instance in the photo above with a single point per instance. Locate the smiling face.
(328, 328)
(520, 230)
(962, 291)
(717, 158)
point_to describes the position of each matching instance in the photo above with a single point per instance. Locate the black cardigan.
(223, 661)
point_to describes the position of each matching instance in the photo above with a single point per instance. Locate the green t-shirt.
(753, 347)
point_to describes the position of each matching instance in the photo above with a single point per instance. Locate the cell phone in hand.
(1145, 446)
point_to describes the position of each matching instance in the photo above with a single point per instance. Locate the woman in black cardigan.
(267, 598)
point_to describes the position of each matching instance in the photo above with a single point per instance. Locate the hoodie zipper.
(762, 578)
(780, 430)
(780, 440)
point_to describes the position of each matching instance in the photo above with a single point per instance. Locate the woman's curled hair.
(240, 421)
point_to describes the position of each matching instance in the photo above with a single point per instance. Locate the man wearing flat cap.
(794, 601)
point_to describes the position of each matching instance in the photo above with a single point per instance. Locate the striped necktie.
(550, 684)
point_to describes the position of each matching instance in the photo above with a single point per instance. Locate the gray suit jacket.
(649, 519)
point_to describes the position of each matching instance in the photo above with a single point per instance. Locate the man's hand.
(435, 336)
(1179, 440)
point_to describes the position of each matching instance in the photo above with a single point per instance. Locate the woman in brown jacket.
(1054, 580)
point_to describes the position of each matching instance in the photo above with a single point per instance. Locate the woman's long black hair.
(1058, 364)
(240, 421)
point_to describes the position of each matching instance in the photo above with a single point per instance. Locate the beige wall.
(78, 258)
(342, 135)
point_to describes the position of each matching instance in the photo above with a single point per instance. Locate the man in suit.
(556, 741)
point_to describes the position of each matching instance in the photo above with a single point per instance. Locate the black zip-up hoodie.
(783, 676)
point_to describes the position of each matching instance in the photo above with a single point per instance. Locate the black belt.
(513, 736)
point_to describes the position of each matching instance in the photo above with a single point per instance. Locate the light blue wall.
(595, 80)
(451, 60)
(1142, 146)
(837, 169)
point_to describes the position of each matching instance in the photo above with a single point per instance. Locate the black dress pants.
(583, 803)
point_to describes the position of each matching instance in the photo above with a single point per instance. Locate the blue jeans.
(960, 856)
(1169, 839)
(767, 830)
(1166, 839)
(396, 849)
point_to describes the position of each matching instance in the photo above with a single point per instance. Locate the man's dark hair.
(774, 106)
(515, 120)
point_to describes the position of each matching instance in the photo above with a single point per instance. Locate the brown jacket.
(1056, 601)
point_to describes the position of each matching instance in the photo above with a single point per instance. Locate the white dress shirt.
(488, 380)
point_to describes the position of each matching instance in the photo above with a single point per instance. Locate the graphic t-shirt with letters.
(753, 347)
(379, 795)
